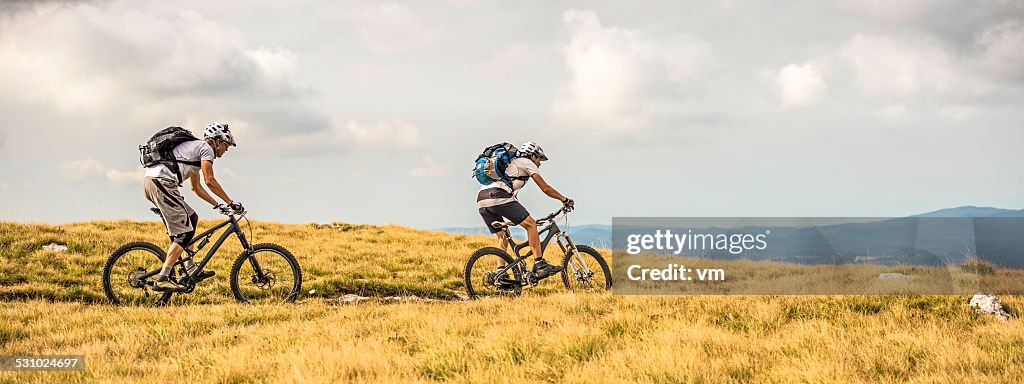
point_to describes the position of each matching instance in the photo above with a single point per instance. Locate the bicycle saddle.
(502, 224)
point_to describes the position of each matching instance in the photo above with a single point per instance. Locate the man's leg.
(530, 225)
(502, 241)
(503, 245)
(178, 246)
(173, 253)
(490, 217)
(172, 210)
(541, 267)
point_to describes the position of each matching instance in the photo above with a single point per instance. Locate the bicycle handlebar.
(552, 216)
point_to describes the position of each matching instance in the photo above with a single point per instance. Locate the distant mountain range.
(600, 235)
(972, 211)
(594, 235)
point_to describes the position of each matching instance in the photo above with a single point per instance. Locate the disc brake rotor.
(266, 282)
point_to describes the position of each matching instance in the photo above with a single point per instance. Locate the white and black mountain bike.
(493, 272)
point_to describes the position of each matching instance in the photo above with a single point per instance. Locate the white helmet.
(219, 131)
(530, 148)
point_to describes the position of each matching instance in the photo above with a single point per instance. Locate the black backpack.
(158, 150)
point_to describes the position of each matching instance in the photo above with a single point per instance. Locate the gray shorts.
(165, 196)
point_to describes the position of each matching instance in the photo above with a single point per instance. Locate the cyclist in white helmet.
(161, 188)
(496, 200)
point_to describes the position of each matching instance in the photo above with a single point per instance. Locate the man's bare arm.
(211, 182)
(546, 188)
(197, 187)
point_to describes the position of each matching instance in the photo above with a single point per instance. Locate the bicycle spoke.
(268, 275)
(585, 270)
(486, 274)
(128, 275)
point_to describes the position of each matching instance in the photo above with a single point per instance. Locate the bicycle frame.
(204, 238)
(552, 231)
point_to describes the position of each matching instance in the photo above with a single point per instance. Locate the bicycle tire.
(115, 256)
(588, 251)
(296, 273)
(468, 277)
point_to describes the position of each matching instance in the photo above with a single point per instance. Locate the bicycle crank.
(135, 278)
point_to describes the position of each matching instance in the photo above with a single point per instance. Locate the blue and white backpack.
(491, 164)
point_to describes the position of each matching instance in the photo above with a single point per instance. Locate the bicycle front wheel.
(269, 274)
(585, 270)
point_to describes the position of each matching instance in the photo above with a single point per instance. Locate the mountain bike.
(491, 271)
(261, 273)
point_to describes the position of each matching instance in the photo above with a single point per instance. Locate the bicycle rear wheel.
(481, 278)
(585, 270)
(269, 275)
(123, 275)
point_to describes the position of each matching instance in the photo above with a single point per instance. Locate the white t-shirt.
(196, 150)
(518, 167)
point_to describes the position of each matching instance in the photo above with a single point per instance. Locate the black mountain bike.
(261, 273)
(492, 272)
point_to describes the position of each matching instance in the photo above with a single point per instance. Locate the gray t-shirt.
(498, 192)
(196, 150)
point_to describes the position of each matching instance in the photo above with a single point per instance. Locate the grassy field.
(52, 303)
(750, 277)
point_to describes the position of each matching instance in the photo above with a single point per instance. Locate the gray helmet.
(219, 131)
(530, 148)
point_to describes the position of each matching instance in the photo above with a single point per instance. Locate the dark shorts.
(513, 211)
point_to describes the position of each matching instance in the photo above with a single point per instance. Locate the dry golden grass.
(52, 304)
(747, 277)
(335, 259)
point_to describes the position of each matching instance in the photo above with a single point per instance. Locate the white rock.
(54, 247)
(351, 298)
(989, 304)
(893, 275)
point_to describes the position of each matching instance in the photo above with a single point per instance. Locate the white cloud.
(512, 58)
(893, 112)
(885, 65)
(616, 74)
(912, 65)
(79, 170)
(893, 11)
(393, 134)
(800, 85)
(429, 168)
(958, 112)
(1003, 50)
(135, 176)
(385, 134)
(87, 58)
(389, 28)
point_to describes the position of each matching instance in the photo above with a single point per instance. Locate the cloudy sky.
(372, 112)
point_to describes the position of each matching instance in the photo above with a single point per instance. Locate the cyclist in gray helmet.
(161, 188)
(496, 200)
